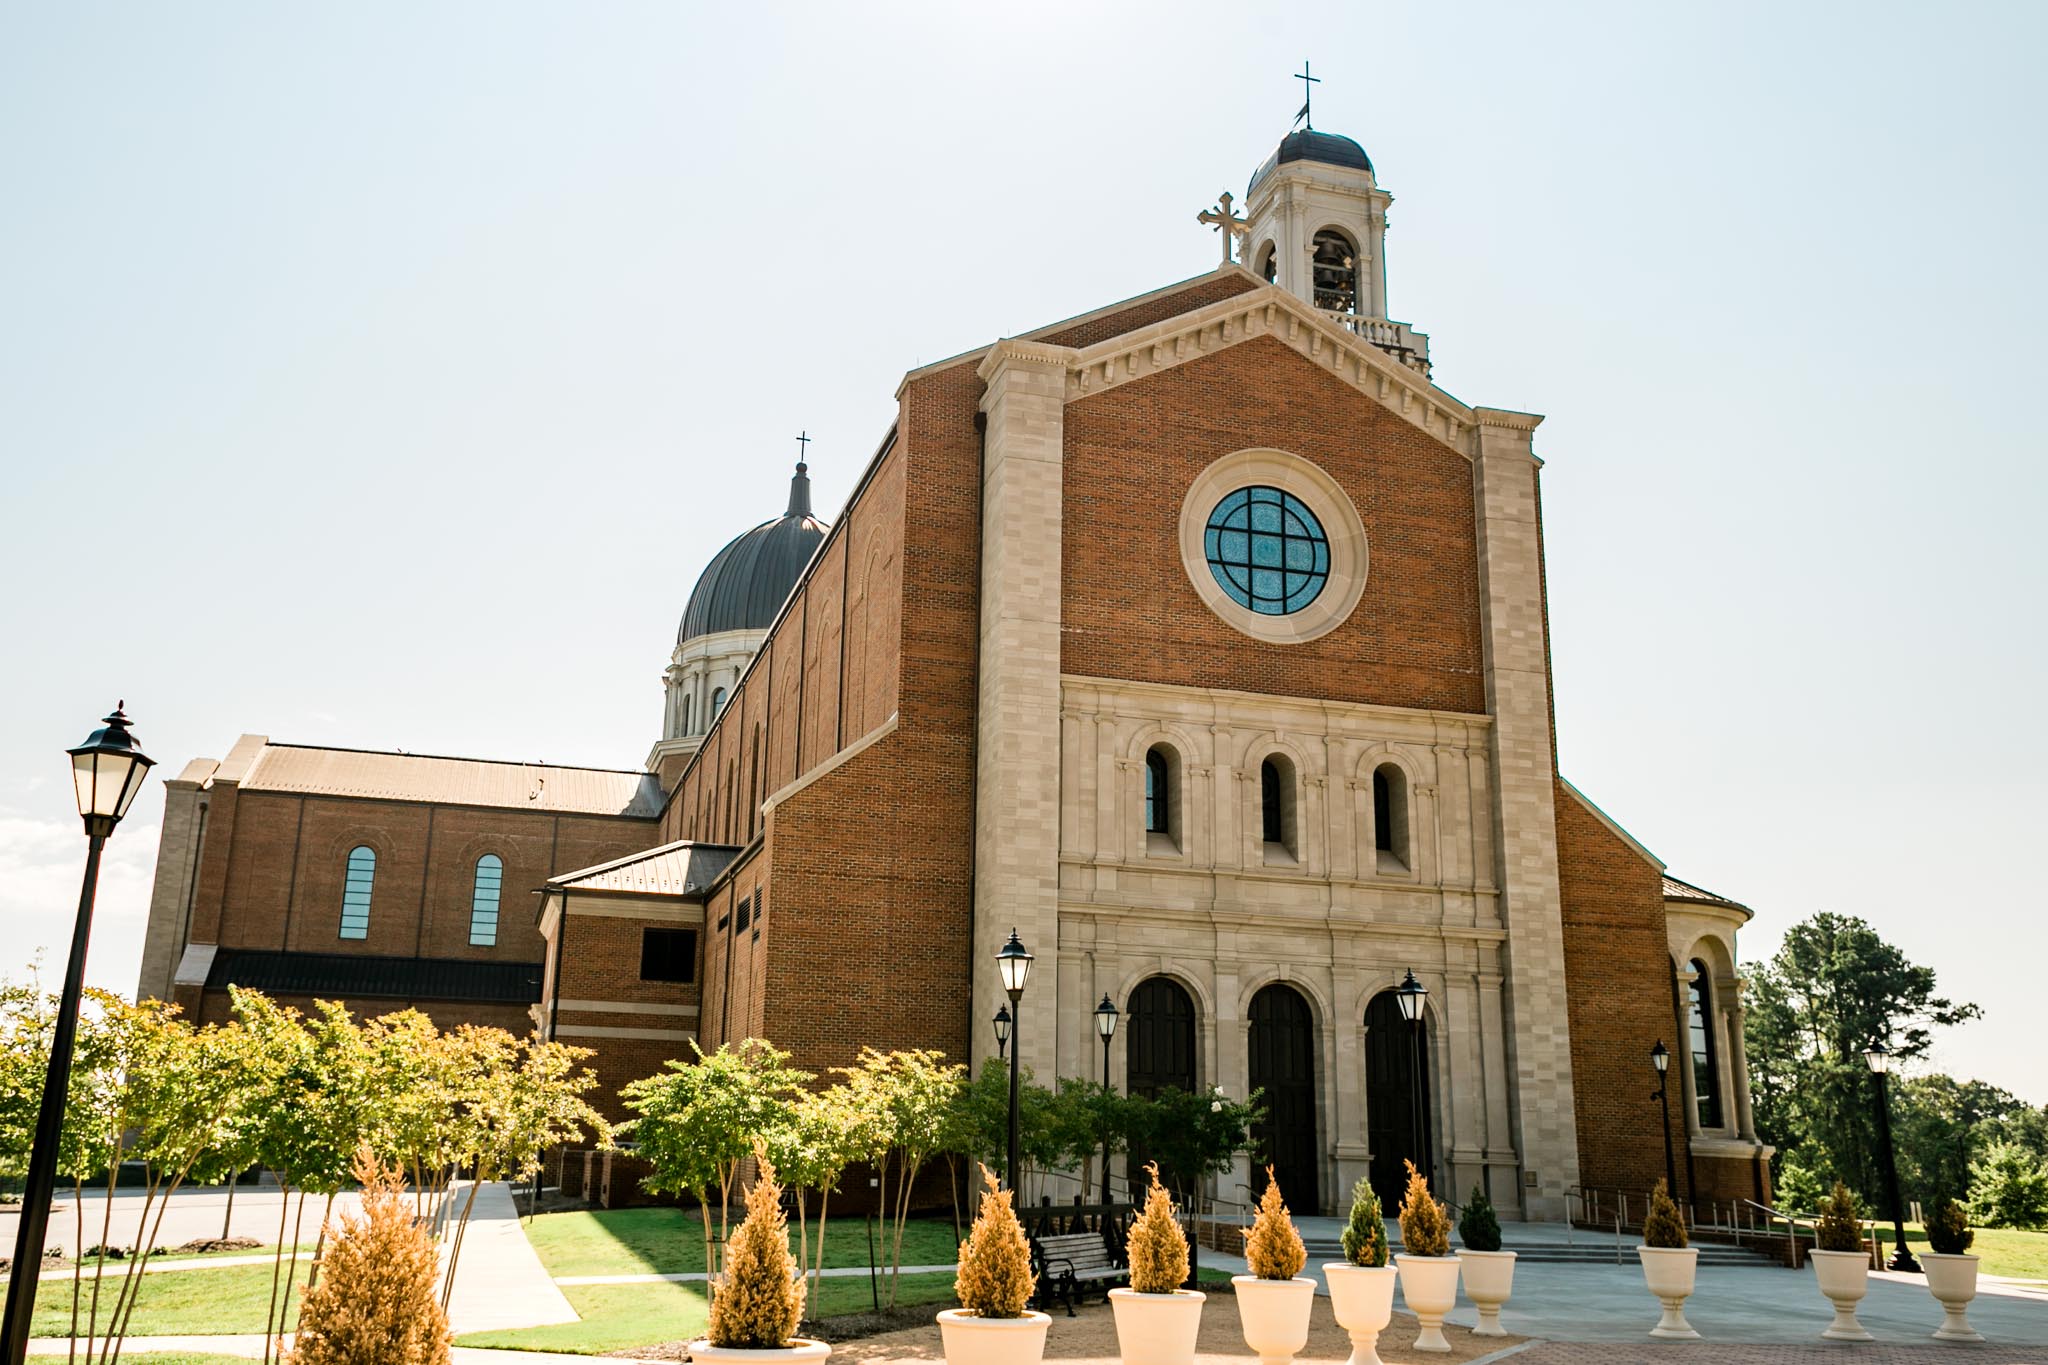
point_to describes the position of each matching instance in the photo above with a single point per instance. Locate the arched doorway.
(1391, 1044)
(1159, 1054)
(1283, 1065)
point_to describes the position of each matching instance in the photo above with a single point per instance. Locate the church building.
(1200, 641)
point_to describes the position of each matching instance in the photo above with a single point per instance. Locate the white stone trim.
(1607, 820)
(1350, 558)
(663, 1035)
(626, 1007)
(620, 907)
(832, 764)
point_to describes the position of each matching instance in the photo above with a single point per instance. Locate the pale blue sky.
(399, 365)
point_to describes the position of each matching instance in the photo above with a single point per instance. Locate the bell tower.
(1316, 225)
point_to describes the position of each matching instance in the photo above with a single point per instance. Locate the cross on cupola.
(1308, 92)
(1229, 225)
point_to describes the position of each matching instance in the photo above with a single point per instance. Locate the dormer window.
(1336, 272)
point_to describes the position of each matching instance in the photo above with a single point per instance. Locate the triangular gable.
(1616, 830)
(1270, 311)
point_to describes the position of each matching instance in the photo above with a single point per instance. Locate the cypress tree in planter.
(1841, 1263)
(1362, 1284)
(758, 1299)
(1273, 1302)
(1669, 1265)
(1951, 1271)
(1156, 1320)
(1489, 1272)
(992, 1325)
(1429, 1273)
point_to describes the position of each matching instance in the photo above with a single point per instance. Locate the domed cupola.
(747, 582)
(1306, 144)
(727, 619)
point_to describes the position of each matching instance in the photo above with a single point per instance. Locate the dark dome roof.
(747, 582)
(1332, 149)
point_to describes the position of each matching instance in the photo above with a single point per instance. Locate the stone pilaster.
(1525, 819)
(1017, 760)
(177, 864)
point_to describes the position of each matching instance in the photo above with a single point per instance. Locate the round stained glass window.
(1267, 550)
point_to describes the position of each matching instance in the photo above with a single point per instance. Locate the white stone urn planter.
(1489, 1279)
(1429, 1286)
(1953, 1282)
(1844, 1276)
(800, 1351)
(1670, 1273)
(1156, 1329)
(1362, 1297)
(1274, 1315)
(970, 1339)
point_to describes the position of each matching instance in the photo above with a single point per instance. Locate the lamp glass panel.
(83, 770)
(1879, 1059)
(132, 783)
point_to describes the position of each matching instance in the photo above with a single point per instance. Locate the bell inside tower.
(1335, 270)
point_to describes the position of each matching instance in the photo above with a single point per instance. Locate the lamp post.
(107, 770)
(1014, 961)
(1105, 1026)
(1660, 1058)
(1002, 1023)
(1412, 994)
(1879, 1058)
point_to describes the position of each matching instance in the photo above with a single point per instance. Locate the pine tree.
(1425, 1224)
(1158, 1248)
(1272, 1248)
(375, 1303)
(995, 1279)
(1365, 1235)
(1662, 1227)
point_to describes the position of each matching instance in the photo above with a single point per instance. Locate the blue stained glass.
(1267, 550)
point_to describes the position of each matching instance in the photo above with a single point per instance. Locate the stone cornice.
(1010, 351)
(1270, 311)
(1504, 417)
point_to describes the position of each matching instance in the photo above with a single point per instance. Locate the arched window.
(1159, 1038)
(1276, 804)
(1269, 262)
(717, 701)
(1336, 272)
(483, 900)
(1390, 813)
(1706, 1061)
(1158, 793)
(686, 714)
(355, 892)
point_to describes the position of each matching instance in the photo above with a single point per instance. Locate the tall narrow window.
(1706, 1065)
(1390, 814)
(717, 701)
(1274, 821)
(1158, 793)
(355, 892)
(1269, 262)
(686, 714)
(483, 900)
(1277, 825)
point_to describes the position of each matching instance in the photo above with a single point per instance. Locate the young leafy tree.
(697, 1122)
(2009, 1188)
(1833, 988)
(811, 1151)
(917, 1091)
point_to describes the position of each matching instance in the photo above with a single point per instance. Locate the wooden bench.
(1072, 1265)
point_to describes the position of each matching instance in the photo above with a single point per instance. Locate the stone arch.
(1285, 1052)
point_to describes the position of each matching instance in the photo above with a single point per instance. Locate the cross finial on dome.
(800, 482)
(1308, 90)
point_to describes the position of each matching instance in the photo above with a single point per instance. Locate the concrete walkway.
(499, 1282)
(698, 1277)
(251, 1348)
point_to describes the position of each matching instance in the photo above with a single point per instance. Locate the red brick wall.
(1129, 610)
(1618, 976)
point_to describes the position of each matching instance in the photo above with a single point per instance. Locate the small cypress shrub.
(1272, 1248)
(1948, 1228)
(1425, 1224)
(757, 1301)
(376, 1297)
(1479, 1227)
(995, 1279)
(1662, 1226)
(1365, 1235)
(1158, 1248)
(1838, 1228)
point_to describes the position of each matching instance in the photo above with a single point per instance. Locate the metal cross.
(1229, 224)
(1307, 96)
(803, 446)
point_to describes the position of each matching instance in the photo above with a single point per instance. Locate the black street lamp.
(1105, 1025)
(1014, 961)
(1660, 1058)
(1879, 1058)
(1412, 994)
(107, 771)
(1002, 1023)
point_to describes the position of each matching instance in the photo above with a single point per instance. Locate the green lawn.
(620, 1316)
(671, 1242)
(189, 1302)
(2001, 1251)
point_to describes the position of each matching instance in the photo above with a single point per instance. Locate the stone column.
(1738, 1054)
(1525, 820)
(177, 863)
(1017, 768)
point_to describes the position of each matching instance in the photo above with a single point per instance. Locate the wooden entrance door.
(1283, 1066)
(1390, 1096)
